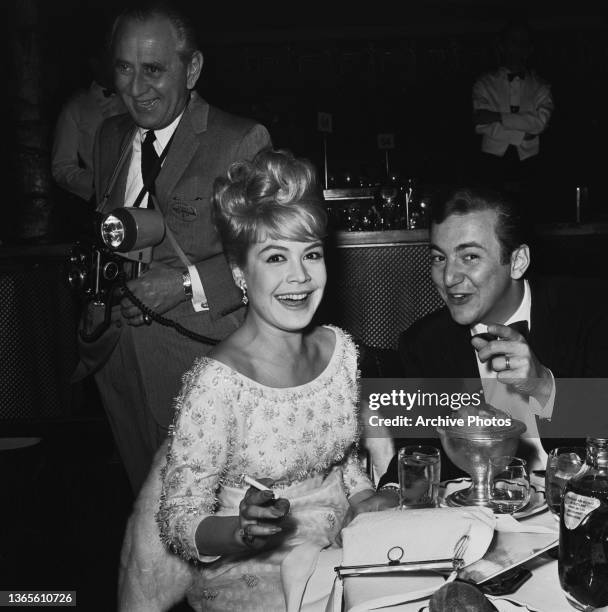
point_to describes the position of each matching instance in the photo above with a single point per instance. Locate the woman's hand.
(260, 515)
(368, 501)
(382, 500)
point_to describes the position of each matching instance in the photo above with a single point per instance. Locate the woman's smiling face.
(285, 282)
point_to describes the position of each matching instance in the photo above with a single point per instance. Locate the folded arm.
(511, 127)
(534, 121)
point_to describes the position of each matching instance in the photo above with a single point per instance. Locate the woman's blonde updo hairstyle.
(275, 195)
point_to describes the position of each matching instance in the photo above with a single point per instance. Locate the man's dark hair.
(509, 226)
(186, 34)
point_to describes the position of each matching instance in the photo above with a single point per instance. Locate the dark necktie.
(149, 161)
(519, 326)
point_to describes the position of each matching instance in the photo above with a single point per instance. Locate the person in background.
(276, 400)
(165, 152)
(76, 127)
(512, 107)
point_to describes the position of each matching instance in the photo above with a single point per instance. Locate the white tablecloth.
(542, 592)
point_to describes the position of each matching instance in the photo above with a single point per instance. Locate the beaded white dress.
(304, 437)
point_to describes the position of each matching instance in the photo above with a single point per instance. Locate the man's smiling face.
(151, 77)
(467, 269)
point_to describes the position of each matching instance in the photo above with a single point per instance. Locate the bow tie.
(520, 327)
(512, 75)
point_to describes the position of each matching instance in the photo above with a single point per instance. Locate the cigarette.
(254, 483)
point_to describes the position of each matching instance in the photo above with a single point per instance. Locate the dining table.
(540, 593)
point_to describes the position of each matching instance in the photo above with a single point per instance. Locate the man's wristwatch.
(187, 283)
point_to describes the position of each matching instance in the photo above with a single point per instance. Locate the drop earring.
(244, 299)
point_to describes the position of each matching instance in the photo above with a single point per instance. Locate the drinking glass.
(563, 463)
(419, 472)
(509, 484)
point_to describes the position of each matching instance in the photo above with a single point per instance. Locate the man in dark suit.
(138, 363)
(560, 326)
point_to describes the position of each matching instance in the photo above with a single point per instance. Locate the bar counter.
(420, 236)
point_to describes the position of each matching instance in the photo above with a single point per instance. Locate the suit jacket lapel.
(464, 364)
(453, 350)
(122, 138)
(543, 333)
(183, 148)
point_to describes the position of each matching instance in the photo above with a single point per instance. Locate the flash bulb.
(129, 229)
(112, 231)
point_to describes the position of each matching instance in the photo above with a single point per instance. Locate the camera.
(119, 249)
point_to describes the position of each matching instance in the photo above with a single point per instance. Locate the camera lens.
(77, 278)
(110, 271)
(112, 231)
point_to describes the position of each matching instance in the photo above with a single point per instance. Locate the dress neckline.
(325, 372)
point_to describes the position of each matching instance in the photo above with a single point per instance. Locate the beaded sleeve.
(198, 454)
(355, 478)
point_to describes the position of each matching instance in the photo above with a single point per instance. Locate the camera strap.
(117, 168)
(152, 198)
(196, 282)
(124, 154)
(153, 203)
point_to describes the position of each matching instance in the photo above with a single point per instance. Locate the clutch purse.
(403, 537)
(420, 542)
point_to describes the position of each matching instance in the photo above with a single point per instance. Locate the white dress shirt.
(135, 184)
(502, 397)
(135, 181)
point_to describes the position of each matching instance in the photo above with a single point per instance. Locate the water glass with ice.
(419, 474)
(509, 484)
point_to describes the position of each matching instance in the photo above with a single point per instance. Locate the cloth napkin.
(425, 534)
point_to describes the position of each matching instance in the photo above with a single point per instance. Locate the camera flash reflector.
(130, 229)
(112, 231)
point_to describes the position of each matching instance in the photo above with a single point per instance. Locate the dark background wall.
(409, 73)
(404, 68)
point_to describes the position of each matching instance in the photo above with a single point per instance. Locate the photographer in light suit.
(138, 363)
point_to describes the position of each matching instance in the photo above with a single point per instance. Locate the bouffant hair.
(275, 195)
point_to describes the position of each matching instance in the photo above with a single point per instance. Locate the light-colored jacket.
(493, 91)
